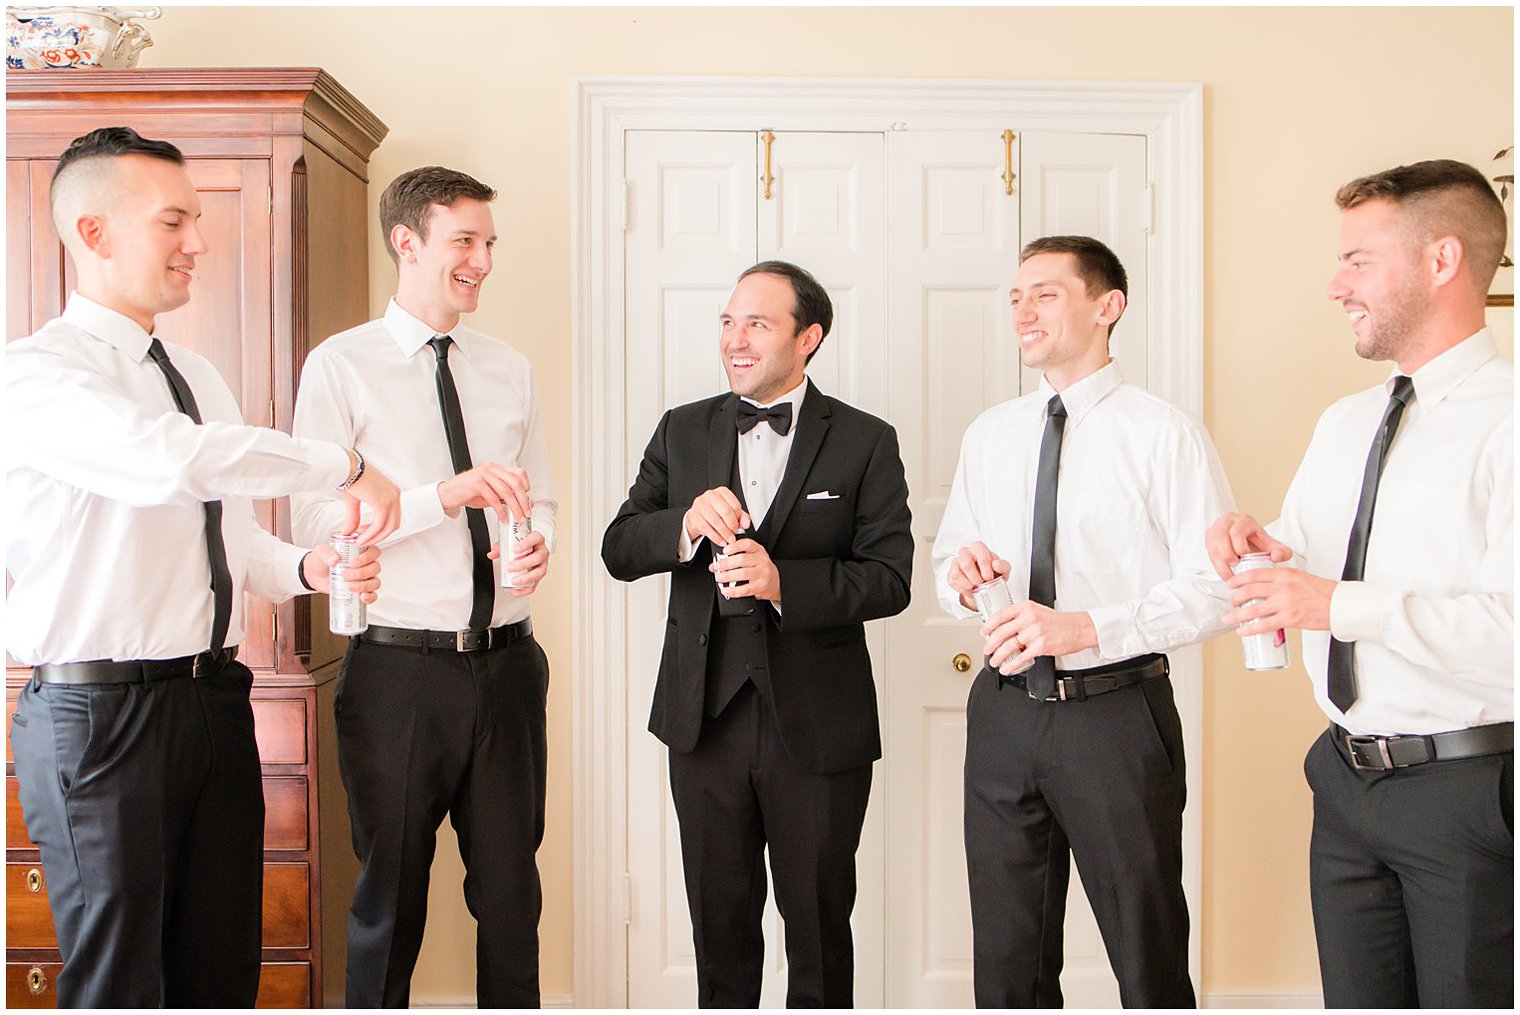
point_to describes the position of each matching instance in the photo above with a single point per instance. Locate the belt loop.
(426, 648)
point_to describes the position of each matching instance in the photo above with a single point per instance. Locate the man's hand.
(1017, 634)
(717, 515)
(363, 576)
(490, 486)
(974, 565)
(1288, 598)
(1234, 536)
(529, 567)
(747, 561)
(374, 489)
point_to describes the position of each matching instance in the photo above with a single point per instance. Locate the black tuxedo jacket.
(842, 561)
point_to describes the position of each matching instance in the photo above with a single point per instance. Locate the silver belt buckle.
(1353, 742)
(471, 641)
(1060, 694)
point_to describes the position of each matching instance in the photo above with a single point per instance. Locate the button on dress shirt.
(1433, 616)
(762, 455)
(1140, 484)
(104, 484)
(373, 387)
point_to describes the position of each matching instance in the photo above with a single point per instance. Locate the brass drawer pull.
(34, 880)
(36, 981)
(961, 662)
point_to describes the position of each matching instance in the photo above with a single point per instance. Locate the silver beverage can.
(514, 532)
(992, 598)
(1262, 651)
(346, 612)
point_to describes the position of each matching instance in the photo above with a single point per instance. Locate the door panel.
(697, 218)
(917, 242)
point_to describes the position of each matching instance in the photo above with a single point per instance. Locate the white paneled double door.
(916, 238)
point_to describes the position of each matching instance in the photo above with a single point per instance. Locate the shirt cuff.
(686, 548)
(332, 463)
(1358, 611)
(421, 507)
(1118, 635)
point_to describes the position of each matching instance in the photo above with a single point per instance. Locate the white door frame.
(1170, 115)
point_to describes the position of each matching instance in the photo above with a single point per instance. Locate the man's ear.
(812, 337)
(1444, 258)
(1113, 308)
(92, 232)
(404, 240)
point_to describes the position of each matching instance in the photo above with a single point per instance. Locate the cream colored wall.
(1296, 102)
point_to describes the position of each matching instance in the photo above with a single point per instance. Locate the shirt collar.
(794, 396)
(1438, 378)
(1079, 398)
(411, 334)
(115, 329)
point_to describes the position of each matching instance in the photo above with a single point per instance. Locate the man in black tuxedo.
(764, 694)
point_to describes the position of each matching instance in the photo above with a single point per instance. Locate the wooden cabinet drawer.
(28, 922)
(284, 985)
(31, 984)
(15, 826)
(287, 905)
(279, 724)
(285, 812)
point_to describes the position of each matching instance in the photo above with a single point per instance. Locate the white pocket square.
(823, 495)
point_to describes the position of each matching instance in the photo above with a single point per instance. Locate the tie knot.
(1055, 407)
(1403, 388)
(158, 352)
(440, 344)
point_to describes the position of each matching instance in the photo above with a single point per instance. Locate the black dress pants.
(147, 805)
(1101, 780)
(735, 794)
(1412, 878)
(427, 734)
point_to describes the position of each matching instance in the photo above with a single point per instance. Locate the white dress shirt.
(104, 484)
(1139, 485)
(1433, 617)
(373, 387)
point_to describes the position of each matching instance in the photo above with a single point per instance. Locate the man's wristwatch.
(358, 470)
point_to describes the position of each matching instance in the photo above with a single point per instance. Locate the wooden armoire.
(280, 159)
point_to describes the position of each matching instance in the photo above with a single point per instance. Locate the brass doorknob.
(961, 662)
(36, 981)
(34, 880)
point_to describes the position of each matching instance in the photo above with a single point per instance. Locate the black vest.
(736, 645)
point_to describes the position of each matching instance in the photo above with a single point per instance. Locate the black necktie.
(778, 416)
(459, 452)
(1341, 674)
(216, 549)
(1042, 548)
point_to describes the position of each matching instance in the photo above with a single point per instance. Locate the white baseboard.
(1262, 1001)
(547, 1001)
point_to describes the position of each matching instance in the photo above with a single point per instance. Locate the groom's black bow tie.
(778, 416)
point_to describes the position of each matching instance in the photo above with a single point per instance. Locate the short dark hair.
(409, 200)
(1442, 197)
(810, 301)
(113, 142)
(1098, 267)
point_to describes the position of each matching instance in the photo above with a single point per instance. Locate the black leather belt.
(453, 641)
(1382, 754)
(1079, 685)
(134, 671)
